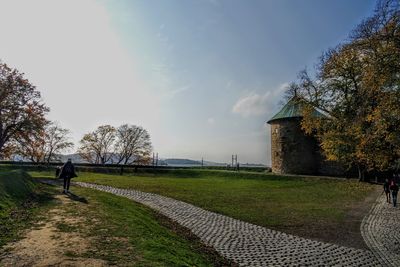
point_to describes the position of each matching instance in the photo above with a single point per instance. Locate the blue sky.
(203, 76)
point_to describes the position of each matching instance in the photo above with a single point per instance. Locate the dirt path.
(53, 242)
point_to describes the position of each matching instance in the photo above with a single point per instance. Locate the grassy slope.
(19, 200)
(264, 199)
(124, 233)
(15, 187)
(130, 234)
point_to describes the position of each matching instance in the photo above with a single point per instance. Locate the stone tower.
(292, 151)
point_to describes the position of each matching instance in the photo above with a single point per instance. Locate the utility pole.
(235, 163)
(157, 159)
(202, 162)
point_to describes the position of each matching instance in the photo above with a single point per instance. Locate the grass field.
(128, 234)
(118, 231)
(15, 187)
(308, 206)
(20, 202)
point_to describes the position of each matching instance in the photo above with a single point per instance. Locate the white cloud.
(255, 104)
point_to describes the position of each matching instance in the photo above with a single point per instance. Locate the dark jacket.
(386, 186)
(395, 188)
(68, 171)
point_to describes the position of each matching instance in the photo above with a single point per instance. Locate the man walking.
(386, 189)
(67, 172)
(395, 189)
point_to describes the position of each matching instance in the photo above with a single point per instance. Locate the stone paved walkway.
(381, 232)
(245, 243)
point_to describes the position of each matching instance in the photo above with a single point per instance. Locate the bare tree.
(96, 147)
(57, 141)
(132, 145)
(44, 145)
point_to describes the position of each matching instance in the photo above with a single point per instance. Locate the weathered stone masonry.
(292, 150)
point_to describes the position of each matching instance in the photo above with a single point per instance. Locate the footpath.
(251, 245)
(380, 230)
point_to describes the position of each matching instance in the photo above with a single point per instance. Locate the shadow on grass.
(74, 197)
(23, 215)
(59, 183)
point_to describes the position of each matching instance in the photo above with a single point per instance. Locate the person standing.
(386, 189)
(67, 172)
(395, 189)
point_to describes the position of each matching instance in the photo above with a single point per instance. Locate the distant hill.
(253, 165)
(181, 162)
(76, 158)
(188, 162)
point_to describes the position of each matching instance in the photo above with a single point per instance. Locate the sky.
(202, 76)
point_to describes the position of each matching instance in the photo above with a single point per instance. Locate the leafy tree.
(357, 85)
(44, 145)
(132, 145)
(31, 145)
(21, 108)
(97, 146)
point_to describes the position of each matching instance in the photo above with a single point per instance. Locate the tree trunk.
(361, 174)
(2, 142)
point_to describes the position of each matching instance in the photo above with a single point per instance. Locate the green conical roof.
(293, 109)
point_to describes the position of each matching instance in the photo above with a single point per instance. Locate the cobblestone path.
(381, 232)
(247, 244)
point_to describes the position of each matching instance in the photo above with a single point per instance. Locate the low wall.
(116, 168)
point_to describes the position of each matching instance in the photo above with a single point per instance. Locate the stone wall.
(293, 152)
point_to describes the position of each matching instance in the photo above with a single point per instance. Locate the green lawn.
(280, 202)
(120, 231)
(15, 187)
(21, 199)
(128, 234)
